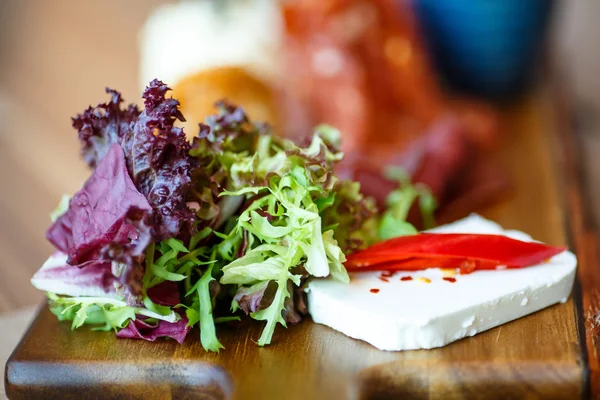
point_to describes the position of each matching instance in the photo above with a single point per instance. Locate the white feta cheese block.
(428, 311)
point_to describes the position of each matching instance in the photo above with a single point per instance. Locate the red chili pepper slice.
(468, 252)
(465, 266)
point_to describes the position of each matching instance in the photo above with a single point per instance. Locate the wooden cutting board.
(544, 355)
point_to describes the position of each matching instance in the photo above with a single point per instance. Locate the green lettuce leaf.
(281, 228)
(104, 313)
(399, 202)
(204, 316)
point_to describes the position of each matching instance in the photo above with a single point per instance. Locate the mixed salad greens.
(167, 234)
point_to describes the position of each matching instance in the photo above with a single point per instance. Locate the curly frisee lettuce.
(169, 234)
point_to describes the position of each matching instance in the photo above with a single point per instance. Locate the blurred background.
(421, 84)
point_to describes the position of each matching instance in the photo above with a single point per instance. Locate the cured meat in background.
(362, 67)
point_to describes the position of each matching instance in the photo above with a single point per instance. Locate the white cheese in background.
(407, 315)
(190, 36)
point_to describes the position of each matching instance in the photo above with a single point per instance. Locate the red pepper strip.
(416, 264)
(486, 250)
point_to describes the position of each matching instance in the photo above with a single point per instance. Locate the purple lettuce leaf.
(165, 294)
(252, 299)
(294, 305)
(138, 191)
(140, 329)
(107, 211)
(104, 125)
(57, 276)
(260, 295)
(156, 152)
(229, 130)
(159, 162)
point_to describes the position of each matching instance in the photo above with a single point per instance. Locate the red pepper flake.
(467, 266)
(374, 290)
(388, 274)
(381, 278)
(406, 278)
(449, 279)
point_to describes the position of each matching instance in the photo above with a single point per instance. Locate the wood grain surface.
(583, 231)
(539, 356)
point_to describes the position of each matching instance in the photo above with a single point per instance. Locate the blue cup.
(485, 47)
